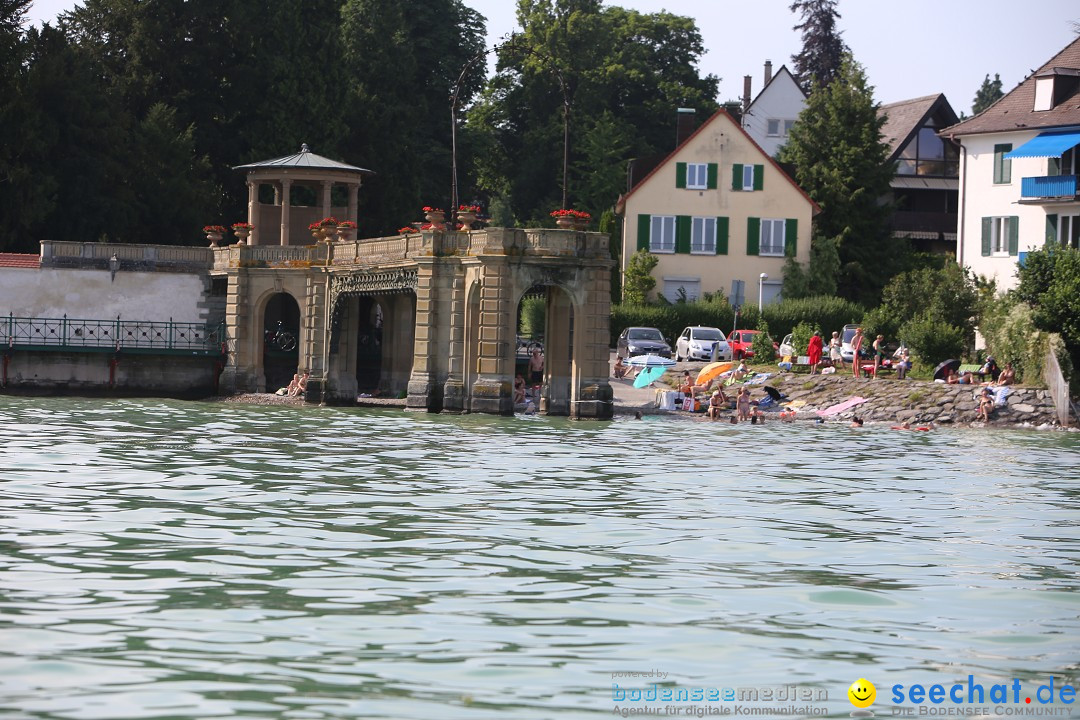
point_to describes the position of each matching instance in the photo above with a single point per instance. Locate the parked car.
(642, 341)
(696, 343)
(742, 343)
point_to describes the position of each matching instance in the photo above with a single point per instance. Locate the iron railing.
(119, 335)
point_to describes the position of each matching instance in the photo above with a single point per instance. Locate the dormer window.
(1055, 87)
(1044, 93)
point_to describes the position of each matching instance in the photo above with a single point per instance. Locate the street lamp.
(761, 292)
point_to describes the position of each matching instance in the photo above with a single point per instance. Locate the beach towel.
(841, 407)
(759, 379)
(795, 404)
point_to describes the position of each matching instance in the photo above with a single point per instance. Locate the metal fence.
(158, 337)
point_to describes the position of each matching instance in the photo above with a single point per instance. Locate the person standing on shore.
(856, 345)
(814, 349)
(879, 353)
(835, 346)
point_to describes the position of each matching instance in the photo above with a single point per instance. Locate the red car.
(741, 342)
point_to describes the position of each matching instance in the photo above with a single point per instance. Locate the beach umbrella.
(939, 371)
(648, 375)
(713, 370)
(647, 361)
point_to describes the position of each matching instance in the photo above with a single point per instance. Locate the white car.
(696, 343)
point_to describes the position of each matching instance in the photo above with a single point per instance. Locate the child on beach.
(743, 404)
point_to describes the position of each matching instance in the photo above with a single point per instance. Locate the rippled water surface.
(187, 560)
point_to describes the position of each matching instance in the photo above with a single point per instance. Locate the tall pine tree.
(819, 60)
(988, 94)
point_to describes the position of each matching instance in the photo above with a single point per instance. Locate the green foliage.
(987, 94)
(613, 229)
(947, 296)
(932, 339)
(800, 337)
(841, 160)
(533, 314)
(639, 281)
(820, 276)
(1011, 336)
(826, 313)
(1050, 285)
(823, 51)
(763, 344)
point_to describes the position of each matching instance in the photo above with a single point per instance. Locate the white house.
(768, 119)
(1018, 171)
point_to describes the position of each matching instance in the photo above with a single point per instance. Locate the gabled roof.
(20, 260)
(305, 160)
(906, 117)
(783, 70)
(1015, 111)
(690, 138)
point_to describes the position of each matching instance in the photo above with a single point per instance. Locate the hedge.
(826, 313)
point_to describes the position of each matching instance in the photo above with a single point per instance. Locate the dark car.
(642, 341)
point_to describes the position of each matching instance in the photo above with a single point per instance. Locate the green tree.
(820, 275)
(823, 51)
(638, 281)
(1050, 285)
(987, 94)
(841, 160)
(930, 297)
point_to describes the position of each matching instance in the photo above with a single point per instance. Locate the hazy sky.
(909, 48)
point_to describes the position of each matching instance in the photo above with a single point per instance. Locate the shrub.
(533, 317)
(763, 345)
(932, 340)
(638, 280)
(800, 337)
(1011, 336)
(823, 312)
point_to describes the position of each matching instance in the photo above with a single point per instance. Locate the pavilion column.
(253, 210)
(354, 191)
(326, 187)
(286, 186)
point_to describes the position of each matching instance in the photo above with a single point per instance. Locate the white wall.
(980, 197)
(92, 295)
(781, 100)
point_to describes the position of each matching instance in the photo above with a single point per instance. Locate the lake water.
(162, 559)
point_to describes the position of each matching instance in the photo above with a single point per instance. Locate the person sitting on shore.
(1007, 376)
(986, 405)
(289, 389)
(620, 369)
(740, 372)
(903, 363)
(300, 387)
(519, 389)
(717, 403)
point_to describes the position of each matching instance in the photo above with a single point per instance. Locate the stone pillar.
(286, 187)
(314, 338)
(424, 392)
(327, 186)
(341, 366)
(593, 397)
(558, 370)
(242, 343)
(493, 390)
(354, 189)
(399, 338)
(253, 210)
(454, 388)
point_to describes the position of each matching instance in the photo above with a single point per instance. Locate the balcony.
(1051, 188)
(923, 222)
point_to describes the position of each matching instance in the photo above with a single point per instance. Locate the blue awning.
(1047, 144)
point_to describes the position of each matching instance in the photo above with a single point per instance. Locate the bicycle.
(279, 339)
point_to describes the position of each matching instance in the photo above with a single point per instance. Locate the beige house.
(718, 212)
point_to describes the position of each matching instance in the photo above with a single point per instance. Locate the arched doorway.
(281, 340)
(545, 325)
(369, 345)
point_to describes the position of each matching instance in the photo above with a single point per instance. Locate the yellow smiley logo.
(862, 693)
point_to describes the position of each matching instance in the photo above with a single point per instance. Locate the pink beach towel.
(841, 407)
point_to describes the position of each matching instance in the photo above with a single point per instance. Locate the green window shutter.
(721, 235)
(1014, 235)
(644, 222)
(682, 233)
(1051, 229)
(713, 172)
(753, 235)
(736, 176)
(986, 235)
(791, 237)
(759, 177)
(680, 175)
(1002, 167)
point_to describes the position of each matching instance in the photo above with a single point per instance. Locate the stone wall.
(913, 400)
(64, 373)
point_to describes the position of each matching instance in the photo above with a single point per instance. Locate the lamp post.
(761, 292)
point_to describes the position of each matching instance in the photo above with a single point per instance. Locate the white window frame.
(747, 177)
(703, 236)
(662, 234)
(772, 228)
(788, 124)
(697, 176)
(772, 127)
(999, 236)
(1067, 226)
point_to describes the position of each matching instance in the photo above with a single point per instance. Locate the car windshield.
(645, 334)
(706, 334)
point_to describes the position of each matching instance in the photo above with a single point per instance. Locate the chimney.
(685, 124)
(746, 94)
(768, 71)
